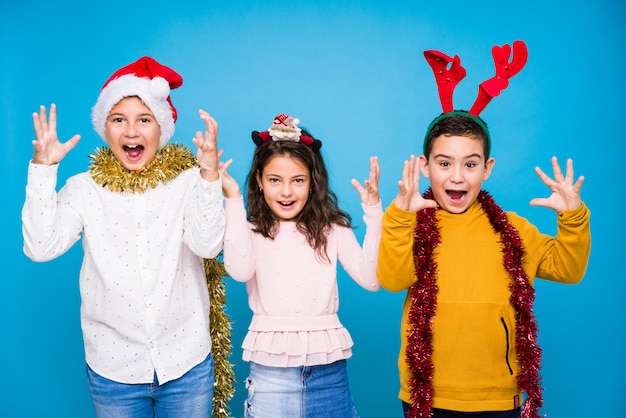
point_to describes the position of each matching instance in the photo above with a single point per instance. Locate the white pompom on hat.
(148, 80)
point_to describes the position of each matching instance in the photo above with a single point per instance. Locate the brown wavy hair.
(321, 210)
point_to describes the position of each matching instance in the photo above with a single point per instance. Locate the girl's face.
(132, 133)
(456, 168)
(285, 182)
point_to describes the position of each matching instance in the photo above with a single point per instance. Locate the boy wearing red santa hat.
(149, 213)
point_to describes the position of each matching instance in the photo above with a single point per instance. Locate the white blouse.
(144, 297)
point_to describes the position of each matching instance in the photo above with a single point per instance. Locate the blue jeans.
(442, 413)
(190, 396)
(299, 392)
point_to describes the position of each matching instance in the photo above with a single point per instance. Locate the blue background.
(354, 73)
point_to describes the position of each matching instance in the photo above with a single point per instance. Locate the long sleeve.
(360, 262)
(239, 259)
(396, 269)
(562, 258)
(204, 218)
(473, 298)
(142, 277)
(49, 228)
(292, 292)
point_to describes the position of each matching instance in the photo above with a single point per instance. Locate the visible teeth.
(131, 146)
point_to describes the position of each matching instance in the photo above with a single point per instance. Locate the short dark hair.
(460, 123)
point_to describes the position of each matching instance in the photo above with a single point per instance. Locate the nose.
(131, 130)
(457, 176)
(285, 189)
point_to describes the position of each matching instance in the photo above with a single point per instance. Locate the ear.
(258, 180)
(424, 166)
(488, 167)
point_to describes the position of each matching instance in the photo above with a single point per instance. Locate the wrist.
(401, 204)
(232, 195)
(39, 162)
(209, 174)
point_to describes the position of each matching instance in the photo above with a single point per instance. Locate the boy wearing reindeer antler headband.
(469, 337)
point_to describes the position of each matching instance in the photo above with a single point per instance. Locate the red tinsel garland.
(423, 296)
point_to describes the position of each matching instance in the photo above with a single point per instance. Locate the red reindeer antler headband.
(449, 71)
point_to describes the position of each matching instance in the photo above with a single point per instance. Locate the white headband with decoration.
(285, 128)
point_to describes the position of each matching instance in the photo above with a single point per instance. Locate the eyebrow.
(293, 177)
(475, 155)
(141, 115)
(297, 176)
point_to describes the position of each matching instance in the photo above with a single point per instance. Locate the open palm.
(48, 149)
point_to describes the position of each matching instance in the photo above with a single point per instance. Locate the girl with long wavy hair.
(285, 247)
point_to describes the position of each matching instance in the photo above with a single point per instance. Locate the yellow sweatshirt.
(474, 357)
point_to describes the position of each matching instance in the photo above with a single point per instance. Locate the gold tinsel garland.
(221, 337)
(168, 163)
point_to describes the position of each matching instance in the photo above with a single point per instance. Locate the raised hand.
(229, 184)
(207, 148)
(48, 149)
(369, 194)
(409, 198)
(565, 193)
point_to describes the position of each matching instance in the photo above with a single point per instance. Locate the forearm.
(360, 262)
(396, 269)
(45, 238)
(568, 253)
(373, 216)
(238, 254)
(207, 232)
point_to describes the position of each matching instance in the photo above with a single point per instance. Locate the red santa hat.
(148, 80)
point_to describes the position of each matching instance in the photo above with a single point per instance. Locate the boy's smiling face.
(132, 133)
(456, 168)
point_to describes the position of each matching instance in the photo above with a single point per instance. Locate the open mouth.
(133, 152)
(456, 195)
(287, 205)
